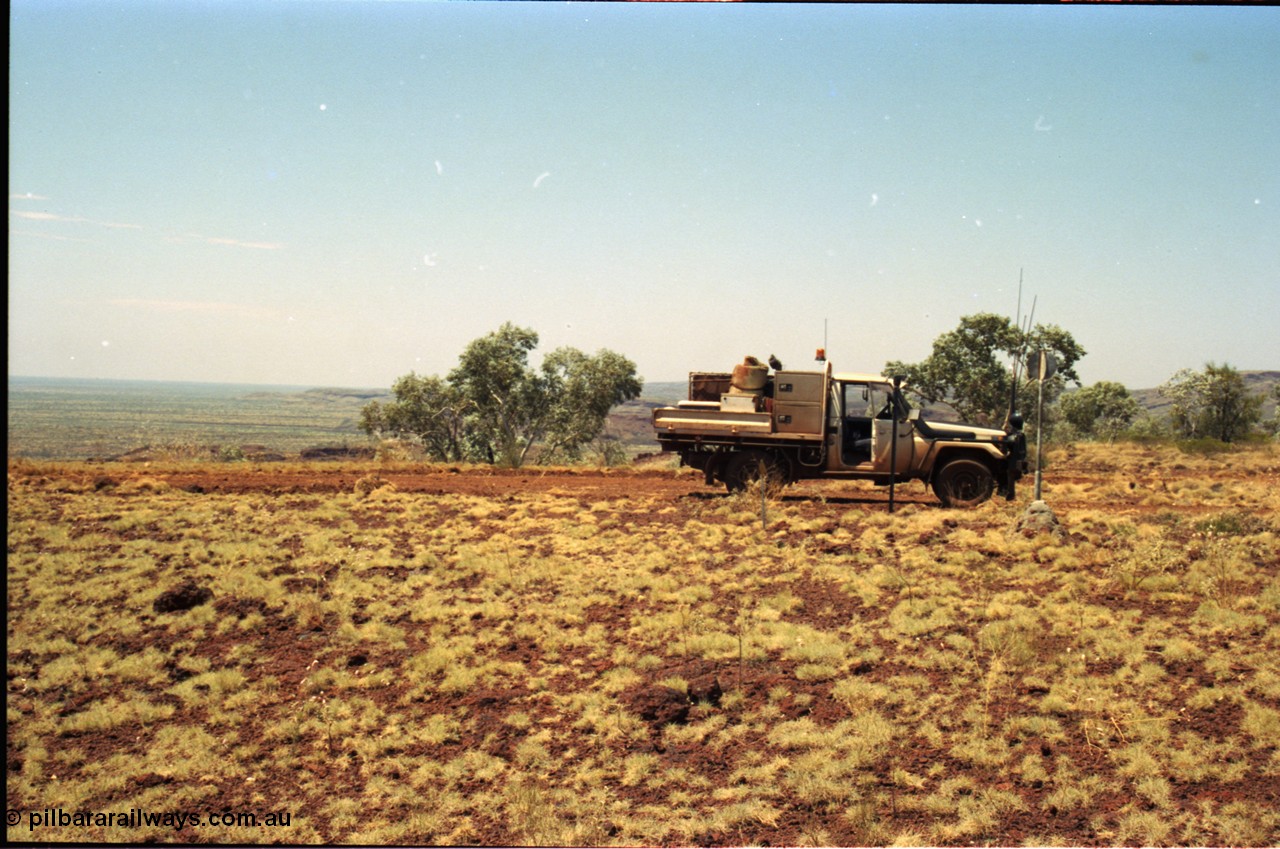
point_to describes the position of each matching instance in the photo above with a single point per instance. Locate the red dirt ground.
(289, 658)
(606, 484)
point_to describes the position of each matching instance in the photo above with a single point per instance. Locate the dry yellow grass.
(395, 666)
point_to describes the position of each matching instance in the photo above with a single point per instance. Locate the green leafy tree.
(970, 367)
(1103, 409)
(1275, 411)
(426, 410)
(494, 407)
(586, 388)
(507, 401)
(1232, 410)
(1213, 404)
(1185, 391)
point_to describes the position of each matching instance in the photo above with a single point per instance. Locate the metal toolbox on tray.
(797, 418)
(798, 386)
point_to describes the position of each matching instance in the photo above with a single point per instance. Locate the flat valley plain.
(70, 419)
(422, 654)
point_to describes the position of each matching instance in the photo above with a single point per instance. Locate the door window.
(867, 401)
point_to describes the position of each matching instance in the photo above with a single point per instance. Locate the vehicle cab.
(860, 426)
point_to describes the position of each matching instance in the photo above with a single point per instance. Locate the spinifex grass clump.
(594, 663)
(1233, 523)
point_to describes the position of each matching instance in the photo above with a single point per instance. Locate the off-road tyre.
(742, 471)
(964, 482)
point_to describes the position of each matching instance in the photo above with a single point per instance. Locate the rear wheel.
(964, 483)
(745, 470)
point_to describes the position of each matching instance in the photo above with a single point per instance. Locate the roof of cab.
(859, 377)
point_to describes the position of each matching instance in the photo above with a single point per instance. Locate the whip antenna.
(1025, 330)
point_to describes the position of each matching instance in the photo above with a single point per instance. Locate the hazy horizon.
(344, 387)
(335, 194)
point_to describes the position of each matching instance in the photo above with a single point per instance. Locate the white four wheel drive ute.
(788, 425)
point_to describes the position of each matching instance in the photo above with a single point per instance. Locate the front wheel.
(964, 483)
(748, 468)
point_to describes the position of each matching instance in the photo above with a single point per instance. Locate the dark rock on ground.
(706, 690)
(182, 597)
(662, 706)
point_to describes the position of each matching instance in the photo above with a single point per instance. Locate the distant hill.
(665, 393)
(632, 423)
(1257, 382)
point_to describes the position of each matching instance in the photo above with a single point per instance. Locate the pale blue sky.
(338, 193)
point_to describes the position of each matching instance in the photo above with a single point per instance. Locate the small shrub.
(1150, 558)
(1234, 524)
(1203, 446)
(369, 483)
(398, 451)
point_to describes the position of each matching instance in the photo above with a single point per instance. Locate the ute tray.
(708, 419)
